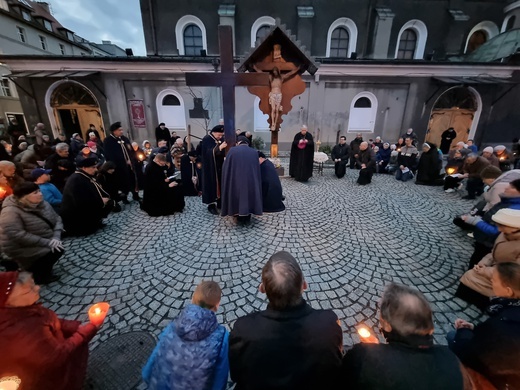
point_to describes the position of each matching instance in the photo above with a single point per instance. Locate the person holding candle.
(409, 359)
(493, 346)
(289, 345)
(44, 351)
(30, 232)
(192, 352)
(504, 157)
(302, 154)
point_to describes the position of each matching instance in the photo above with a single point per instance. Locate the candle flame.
(97, 310)
(364, 332)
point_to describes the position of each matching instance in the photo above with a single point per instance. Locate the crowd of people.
(289, 345)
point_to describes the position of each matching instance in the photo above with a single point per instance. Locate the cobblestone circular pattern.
(350, 241)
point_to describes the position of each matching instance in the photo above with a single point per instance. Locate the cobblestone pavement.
(350, 241)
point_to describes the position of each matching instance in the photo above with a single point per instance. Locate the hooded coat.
(192, 353)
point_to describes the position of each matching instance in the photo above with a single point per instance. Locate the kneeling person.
(162, 194)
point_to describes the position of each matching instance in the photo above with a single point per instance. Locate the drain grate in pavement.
(117, 363)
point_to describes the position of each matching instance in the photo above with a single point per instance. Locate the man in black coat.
(212, 151)
(272, 195)
(118, 149)
(191, 174)
(447, 138)
(289, 345)
(162, 195)
(354, 149)
(409, 360)
(62, 165)
(366, 160)
(340, 155)
(85, 203)
(163, 133)
(302, 156)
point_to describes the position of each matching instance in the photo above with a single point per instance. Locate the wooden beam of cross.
(227, 79)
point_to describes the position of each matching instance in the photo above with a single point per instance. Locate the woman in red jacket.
(43, 351)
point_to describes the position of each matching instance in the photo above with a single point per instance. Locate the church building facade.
(384, 66)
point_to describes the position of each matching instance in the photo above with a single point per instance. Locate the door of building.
(441, 120)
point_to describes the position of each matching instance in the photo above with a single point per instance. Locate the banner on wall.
(137, 113)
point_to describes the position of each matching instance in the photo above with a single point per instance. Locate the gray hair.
(472, 155)
(406, 310)
(62, 146)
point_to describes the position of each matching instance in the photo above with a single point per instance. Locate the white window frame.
(70, 35)
(184, 22)
(21, 34)
(260, 119)
(6, 89)
(47, 24)
(352, 30)
(261, 21)
(43, 42)
(489, 28)
(158, 107)
(373, 100)
(421, 30)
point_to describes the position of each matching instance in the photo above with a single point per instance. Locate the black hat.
(87, 162)
(115, 126)
(218, 129)
(25, 188)
(242, 139)
(261, 154)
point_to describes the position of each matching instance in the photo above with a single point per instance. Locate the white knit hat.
(488, 149)
(507, 217)
(499, 147)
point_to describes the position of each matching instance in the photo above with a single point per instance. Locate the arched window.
(261, 119)
(170, 110)
(260, 28)
(261, 33)
(190, 31)
(407, 45)
(363, 110)
(192, 40)
(341, 38)
(411, 40)
(511, 23)
(485, 31)
(477, 39)
(339, 43)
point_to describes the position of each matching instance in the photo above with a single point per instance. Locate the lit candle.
(2, 192)
(502, 158)
(450, 171)
(367, 336)
(141, 157)
(10, 383)
(98, 312)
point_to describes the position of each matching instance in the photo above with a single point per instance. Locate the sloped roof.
(292, 50)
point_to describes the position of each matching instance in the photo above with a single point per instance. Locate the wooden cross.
(227, 79)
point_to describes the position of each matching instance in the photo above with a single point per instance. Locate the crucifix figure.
(276, 79)
(227, 79)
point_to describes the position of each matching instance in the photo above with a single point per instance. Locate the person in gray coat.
(30, 232)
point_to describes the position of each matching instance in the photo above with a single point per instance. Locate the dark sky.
(118, 21)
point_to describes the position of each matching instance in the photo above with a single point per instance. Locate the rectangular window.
(21, 34)
(5, 88)
(62, 49)
(26, 15)
(70, 35)
(43, 42)
(3, 5)
(47, 24)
